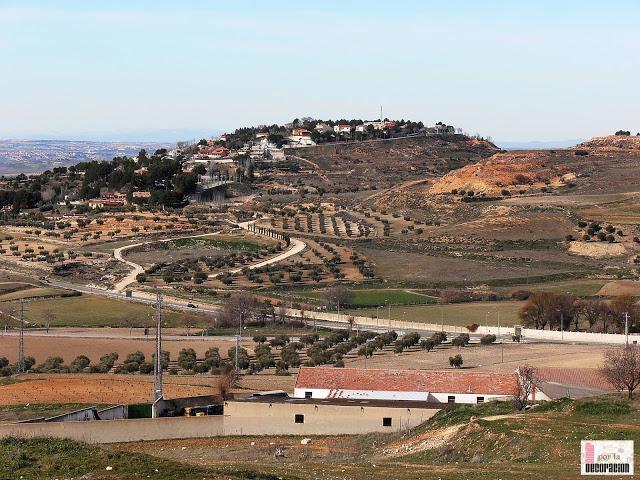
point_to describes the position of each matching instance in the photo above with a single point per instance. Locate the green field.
(579, 288)
(93, 311)
(462, 314)
(376, 297)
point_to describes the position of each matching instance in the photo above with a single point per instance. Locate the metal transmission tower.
(157, 364)
(20, 368)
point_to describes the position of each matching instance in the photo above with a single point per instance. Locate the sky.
(159, 69)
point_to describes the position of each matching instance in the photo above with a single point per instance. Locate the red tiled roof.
(407, 380)
(578, 377)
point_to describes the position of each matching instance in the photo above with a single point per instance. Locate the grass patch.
(376, 297)
(461, 314)
(463, 413)
(579, 288)
(94, 311)
(49, 458)
(242, 245)
(612, 407)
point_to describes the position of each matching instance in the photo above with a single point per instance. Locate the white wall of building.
(468, 398)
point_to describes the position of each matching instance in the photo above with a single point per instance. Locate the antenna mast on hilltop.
(381, 113)
(157, 364)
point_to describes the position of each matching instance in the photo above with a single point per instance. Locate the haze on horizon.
(543, 71)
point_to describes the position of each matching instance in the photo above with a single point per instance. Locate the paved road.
(137, 297)
(296, 247)
(131, 277)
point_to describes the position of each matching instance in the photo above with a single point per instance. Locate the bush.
(456, 361)
(4, 362)
(461, 340)
(427, 344)
(521, 294)
(187, 358)
(80, 363)
(212, 358)
(145, 368)
(439, 337)
(487, 339)
(51, 365)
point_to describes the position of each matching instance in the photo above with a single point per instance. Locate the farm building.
(404, 385)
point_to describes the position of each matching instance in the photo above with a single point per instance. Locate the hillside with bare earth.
(384, 163)
(612, 142)
(598, 165)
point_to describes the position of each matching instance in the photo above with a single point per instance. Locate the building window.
(299, 418)
(386, 421)
(451, 399)
(308, 394)
(480, 400)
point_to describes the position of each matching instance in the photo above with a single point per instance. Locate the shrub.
(80, 363)
(187, 358)
(146, 368)
(439, 337)
(461, 340)
(488, 339)
(427, 344)
(456, 361)
(212, 358)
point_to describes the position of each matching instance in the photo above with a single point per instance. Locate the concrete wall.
(527, 333)
(249, 418)
(241, 418)
(112, 431)
(83, 415)
(117, 412)
(467, 398)
(361, 394)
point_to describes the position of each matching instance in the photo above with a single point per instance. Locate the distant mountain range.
(36, 156)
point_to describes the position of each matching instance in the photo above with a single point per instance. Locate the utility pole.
(238, 344)
(626, 328)
(20, 368)
(157, 383)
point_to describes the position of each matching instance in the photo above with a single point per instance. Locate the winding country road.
(295, 247)
(137, 269)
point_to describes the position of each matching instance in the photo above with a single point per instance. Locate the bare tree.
(622, 368)
(338, 295)
(129, 320)
(548, 308)
(49, 317)
(189, 321)
(239, 309)
(621, 305)
(227, 380)
(525, 387)
(281, 311)
(592, 311)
